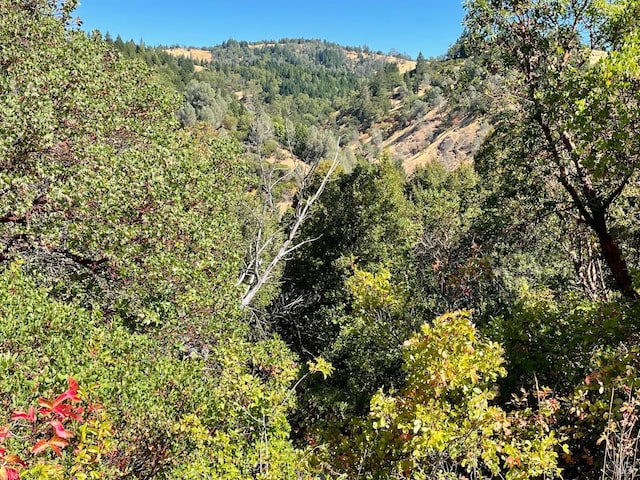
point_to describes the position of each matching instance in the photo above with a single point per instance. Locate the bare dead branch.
(289, 245)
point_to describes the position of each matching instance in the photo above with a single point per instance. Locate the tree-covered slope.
(418, 110)
(295, 260)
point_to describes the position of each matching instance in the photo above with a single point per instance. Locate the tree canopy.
(228, 274)
(578, 106)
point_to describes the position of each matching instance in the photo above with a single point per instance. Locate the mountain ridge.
(376, 102)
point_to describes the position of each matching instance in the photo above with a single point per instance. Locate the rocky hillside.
(435, 138)
(414, 109)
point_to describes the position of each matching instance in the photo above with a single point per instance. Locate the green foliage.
(528, 236)
(122, 240)
(576, 108)
(300, 80)
(206, 104)
(369, 104)
(240, 429)
(174, 71)
(599, 417)
(366, 348)
(320, 365)
(452, 270)
(364, 231)
(133, 226)
(240, 391)
(97, 185)
(363, 218)
(543, 330)
(370, 292)
(443, 421)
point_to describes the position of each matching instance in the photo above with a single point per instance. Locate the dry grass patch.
(431, 139)
(196, 54)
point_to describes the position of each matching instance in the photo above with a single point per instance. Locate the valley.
(297, 260)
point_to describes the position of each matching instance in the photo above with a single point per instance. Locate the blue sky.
(429, 26)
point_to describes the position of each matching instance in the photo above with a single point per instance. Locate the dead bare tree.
(269, 250)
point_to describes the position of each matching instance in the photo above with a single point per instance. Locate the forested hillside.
(313, 91)
(297, 260)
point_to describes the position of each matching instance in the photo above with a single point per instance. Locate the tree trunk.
(615, 260)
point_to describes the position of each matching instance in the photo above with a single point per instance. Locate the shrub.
(443, 422)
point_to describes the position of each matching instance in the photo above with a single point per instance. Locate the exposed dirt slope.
(191, 53)
(435, 137)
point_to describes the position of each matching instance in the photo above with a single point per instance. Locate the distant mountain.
(418, 110)
(297, 52)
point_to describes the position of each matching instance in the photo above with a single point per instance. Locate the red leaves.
(59, 430)
(55, 443)
(30, 416)
(12, 458)
(48, 427)
(61, 409)
(55, 413)
(8, 473)
(73, 385)
(40, 446)
(513, 462)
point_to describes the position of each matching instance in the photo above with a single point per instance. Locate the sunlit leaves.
(371, 291)
(445, 410)
(320, 365)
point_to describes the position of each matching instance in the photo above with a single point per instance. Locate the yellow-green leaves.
(320, 365)
(371, 291)
(444, 416)
(448, 355)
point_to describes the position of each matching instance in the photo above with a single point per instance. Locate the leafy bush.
(29, 434)
(240, 394)
(443, 422)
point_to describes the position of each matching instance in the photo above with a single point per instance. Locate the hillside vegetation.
(297, 260)
(376, 102)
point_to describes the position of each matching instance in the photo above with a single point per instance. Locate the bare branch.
(289, 245)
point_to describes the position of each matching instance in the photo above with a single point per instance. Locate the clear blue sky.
(409, 26)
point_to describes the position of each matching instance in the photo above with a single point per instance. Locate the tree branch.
(289, 245)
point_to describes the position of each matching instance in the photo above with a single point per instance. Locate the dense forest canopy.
(293, 259)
